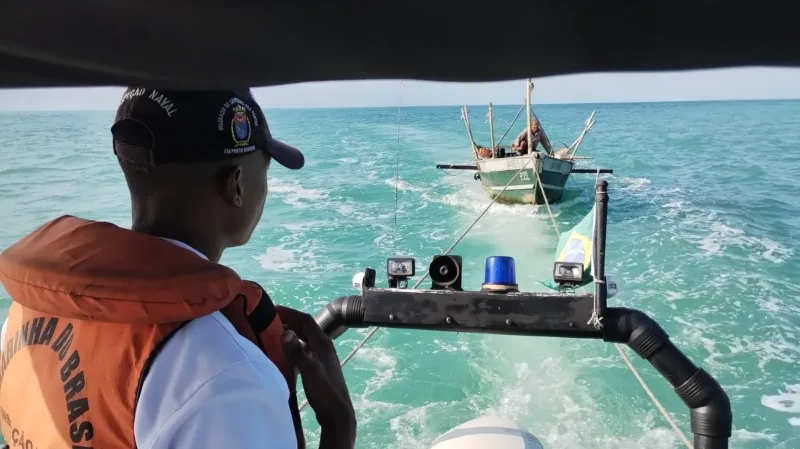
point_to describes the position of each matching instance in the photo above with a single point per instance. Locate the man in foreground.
(139, 338)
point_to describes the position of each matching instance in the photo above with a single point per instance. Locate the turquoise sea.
(703, 228)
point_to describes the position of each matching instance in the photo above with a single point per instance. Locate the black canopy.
(216, 43)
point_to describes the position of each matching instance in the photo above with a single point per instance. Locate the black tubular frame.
(552, 315)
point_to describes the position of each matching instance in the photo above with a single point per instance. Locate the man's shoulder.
(204, 349)
(207, 364)
(207, 349)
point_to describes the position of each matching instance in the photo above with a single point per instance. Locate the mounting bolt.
(509, 322)
(391, 317)
(571, 324)
(449, 320)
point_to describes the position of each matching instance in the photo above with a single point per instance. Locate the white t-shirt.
(209, 387)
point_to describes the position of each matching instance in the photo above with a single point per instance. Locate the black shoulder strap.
(264, 313)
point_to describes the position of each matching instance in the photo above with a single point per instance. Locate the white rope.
(636, 374)
(460, 237)
(547, 203)
(510, 126)
(649, 392)
(653, 397)
(624, 356)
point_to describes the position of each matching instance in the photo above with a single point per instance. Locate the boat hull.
(524, 189)
(487, 432)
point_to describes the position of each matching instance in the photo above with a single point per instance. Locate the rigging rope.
(547, 203)
(510, 126)
(647, 390)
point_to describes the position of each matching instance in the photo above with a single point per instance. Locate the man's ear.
(234, 186)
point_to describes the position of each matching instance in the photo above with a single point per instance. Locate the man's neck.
(185, 246)
(210, 248)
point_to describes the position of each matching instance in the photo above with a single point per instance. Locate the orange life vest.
(92, 305)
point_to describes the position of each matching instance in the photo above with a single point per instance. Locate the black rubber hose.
(341, 314)
(710, 409)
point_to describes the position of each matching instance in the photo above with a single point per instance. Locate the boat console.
(498, 308)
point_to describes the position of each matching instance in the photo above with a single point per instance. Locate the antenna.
(397, 166)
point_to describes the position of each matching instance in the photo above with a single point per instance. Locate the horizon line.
(267, 108)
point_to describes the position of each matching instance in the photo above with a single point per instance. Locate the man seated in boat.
(520, 144)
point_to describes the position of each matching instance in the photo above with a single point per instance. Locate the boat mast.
(465, 117)
(528, 89)
(491, 124)
(545, 141)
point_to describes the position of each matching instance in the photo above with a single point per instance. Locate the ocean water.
(703, 228)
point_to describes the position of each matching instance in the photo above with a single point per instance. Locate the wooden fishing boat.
(500, 178)
(539, 177)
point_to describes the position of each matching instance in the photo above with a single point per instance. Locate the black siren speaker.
(445, 272)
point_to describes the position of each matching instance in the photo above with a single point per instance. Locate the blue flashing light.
(500, 270)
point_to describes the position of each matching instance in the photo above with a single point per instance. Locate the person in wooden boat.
(520, 144)
(139, 338)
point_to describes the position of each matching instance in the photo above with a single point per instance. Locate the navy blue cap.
(186, 126)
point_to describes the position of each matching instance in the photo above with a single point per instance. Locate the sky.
(721, 84)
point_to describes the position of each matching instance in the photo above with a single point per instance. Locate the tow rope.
(624, 356)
